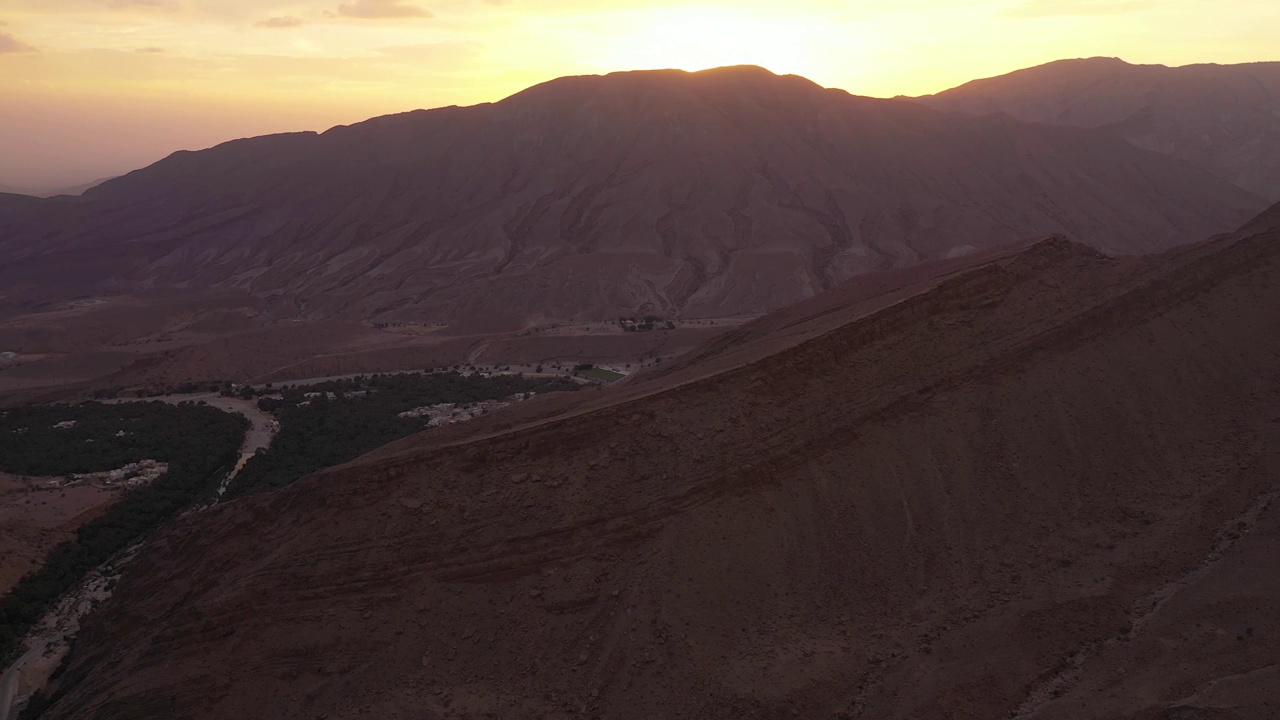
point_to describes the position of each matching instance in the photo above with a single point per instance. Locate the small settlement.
(132, 475)
(450, 413)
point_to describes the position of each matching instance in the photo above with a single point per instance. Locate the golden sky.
(93, 88)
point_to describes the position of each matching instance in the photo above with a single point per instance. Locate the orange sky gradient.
(94, 88)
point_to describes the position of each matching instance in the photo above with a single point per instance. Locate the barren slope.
(34, 521)
(1223, 118)
(713, 194)
(923, 511)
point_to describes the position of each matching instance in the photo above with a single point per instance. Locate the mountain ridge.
(1223, 118)
(730, 192)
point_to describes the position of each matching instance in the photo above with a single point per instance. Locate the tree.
(199, 444)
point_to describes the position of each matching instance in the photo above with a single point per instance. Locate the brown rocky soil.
(1036, 484)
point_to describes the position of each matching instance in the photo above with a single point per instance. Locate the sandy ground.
(33, 519)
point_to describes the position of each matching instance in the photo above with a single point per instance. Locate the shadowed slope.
(921, 511)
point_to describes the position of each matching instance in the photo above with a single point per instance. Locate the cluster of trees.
(646, 324)
(330, 423)
(36, 705)
(199, 443)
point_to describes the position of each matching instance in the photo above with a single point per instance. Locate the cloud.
(1055, 8)
(370, 9)
(11, 44)
(150, 50)
(283, 21)
(165, 5)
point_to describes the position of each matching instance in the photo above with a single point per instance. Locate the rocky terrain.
(1032, 483)
(507, 233)
(1223, 118)
(724, 193)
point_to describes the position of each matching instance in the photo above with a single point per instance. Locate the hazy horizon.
(97, 88)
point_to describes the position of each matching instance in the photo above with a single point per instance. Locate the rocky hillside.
(1223, 118)
(721, 193)
(1006, 487)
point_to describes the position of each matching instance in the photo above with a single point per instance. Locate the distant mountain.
(52, 192)
(726, 192)
(76, 189)
(1223, 118)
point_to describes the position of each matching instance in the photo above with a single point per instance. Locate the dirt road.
(9, 682)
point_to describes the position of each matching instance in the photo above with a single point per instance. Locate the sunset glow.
(161, 75)
(699, 38)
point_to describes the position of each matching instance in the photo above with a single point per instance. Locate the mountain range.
(724, 193)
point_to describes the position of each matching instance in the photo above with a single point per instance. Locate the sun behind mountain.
(701, 38)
